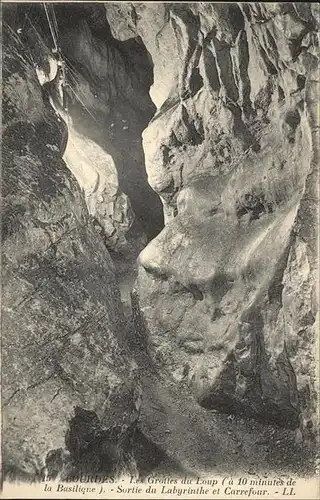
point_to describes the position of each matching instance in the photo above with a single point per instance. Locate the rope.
(27, 56)
(74, 73)
(34, 28)
(25, 17)
(51, 28)
(13, 33)
(81, 102)
(76, 83)
(73, 76)
(55, 21)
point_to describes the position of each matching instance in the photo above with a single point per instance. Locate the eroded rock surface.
(228, 287)
(105, 105)
(70, 392)
(225, 303)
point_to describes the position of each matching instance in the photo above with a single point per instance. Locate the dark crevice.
(236, 18)
(276, 287)
(253, 204)
(293, 119)
(92, 448)
(272, 70)
(281, 93)
(196, 81)
(301, 82)
(217, 314)
(196, 292)
(211, 69)
(149, 456)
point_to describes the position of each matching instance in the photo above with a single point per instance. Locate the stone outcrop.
(70, 390)
(227, 289)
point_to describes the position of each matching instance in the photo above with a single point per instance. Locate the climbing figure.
(62, 83)
(56, 89)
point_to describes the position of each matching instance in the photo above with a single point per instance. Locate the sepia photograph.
(160, 250)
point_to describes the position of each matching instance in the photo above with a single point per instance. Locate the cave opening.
(106, 91)
(118, 74)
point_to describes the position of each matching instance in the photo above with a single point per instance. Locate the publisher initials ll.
(288, 491)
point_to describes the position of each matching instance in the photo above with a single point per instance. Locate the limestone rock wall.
(70, 392)
(105, 105)
(228, 287)
(226, 299)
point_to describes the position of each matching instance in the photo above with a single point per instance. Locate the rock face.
(227, 288)
(109, 106)
(225, 304)
(70, 393)
(106, 106)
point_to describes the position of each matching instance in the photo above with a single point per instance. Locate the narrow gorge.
(160, 206)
